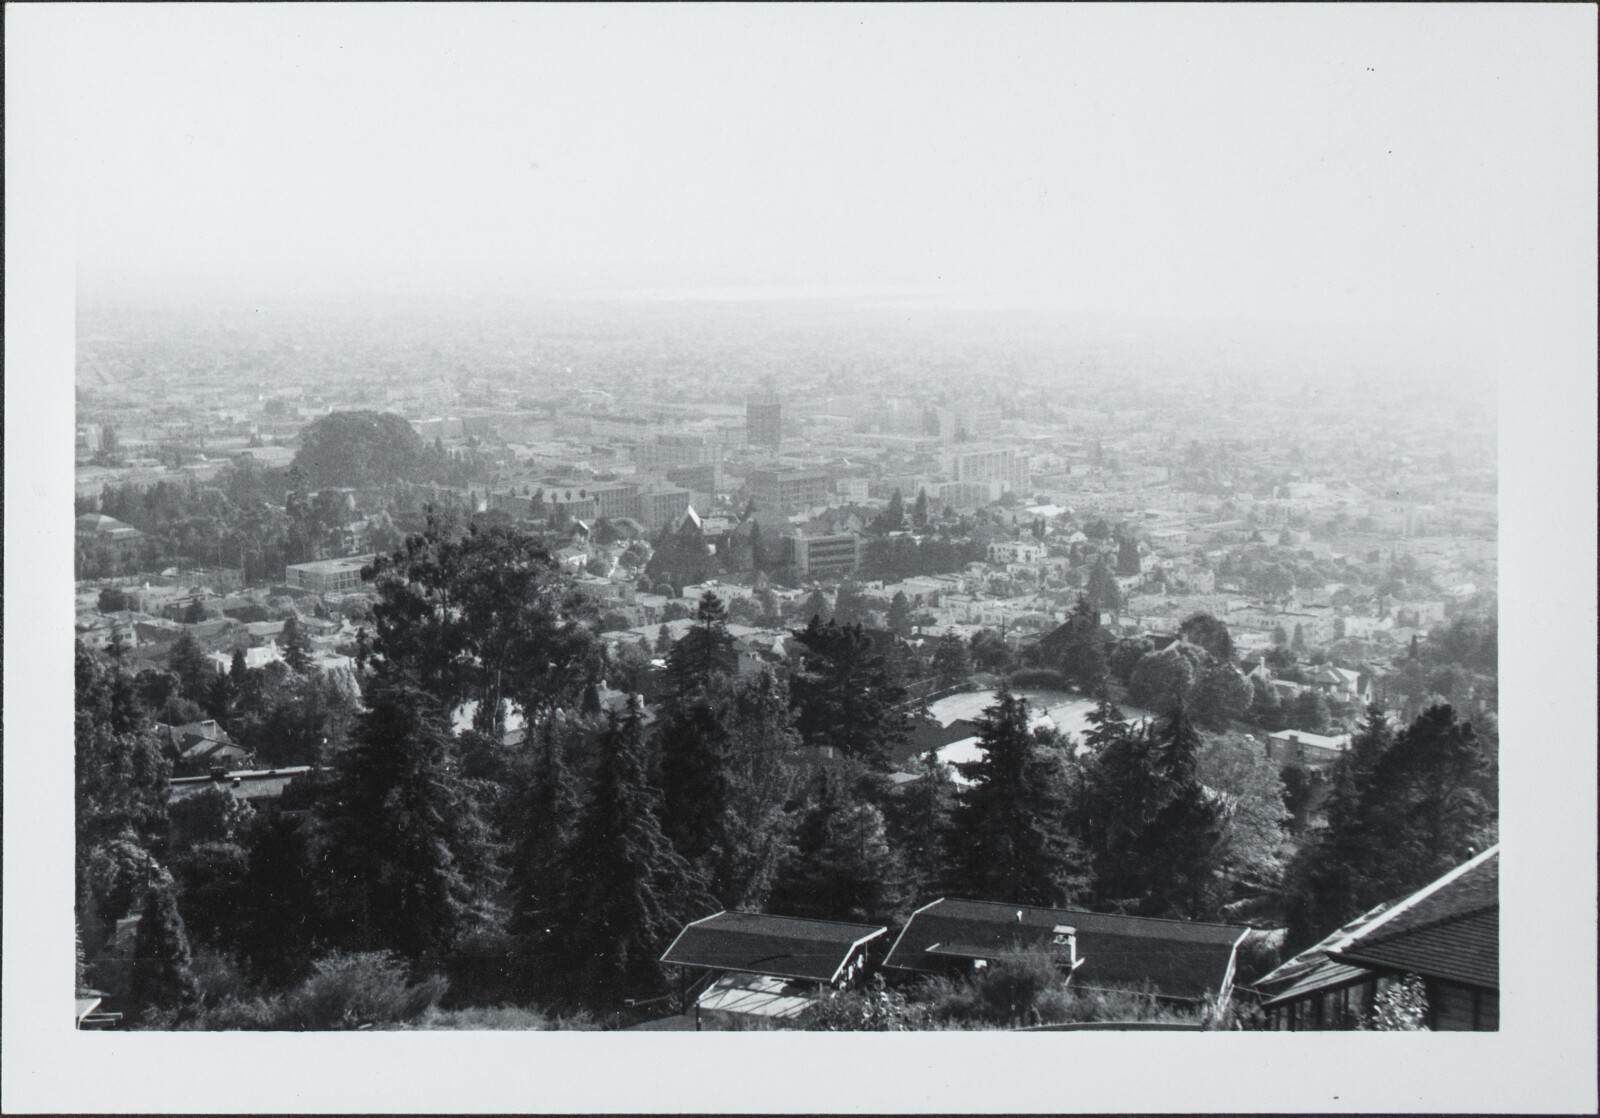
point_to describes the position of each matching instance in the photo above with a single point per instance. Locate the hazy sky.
(1301, 163)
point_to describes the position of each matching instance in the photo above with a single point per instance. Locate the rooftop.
(784, 946)
(1179, 958)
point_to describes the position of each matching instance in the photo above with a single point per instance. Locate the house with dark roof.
(1179, 960)
(772, 967)
(1447, 933)
(198, 748)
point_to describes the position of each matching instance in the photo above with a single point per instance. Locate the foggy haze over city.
(1165, 162)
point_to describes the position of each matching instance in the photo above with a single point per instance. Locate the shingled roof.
(784, 946)
(1452, 933)
(1181, 959)
(1448, 929)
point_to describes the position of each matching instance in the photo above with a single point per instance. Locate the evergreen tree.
(162, 977)
(920, 827)
(296, 647)
(893, 517)
(919, 511)
(845, 695)
(189, 664)
(542, 855)
(1103, 592)
(705, 652)
(843, 867)
(409, 855)
(951, 663)
(1083, 648)
(237, 670)
(899, 618)
(281, 914)
(1182, 845)
(1012, 820)
(663, 640)
(628, 891)
(1128, 556)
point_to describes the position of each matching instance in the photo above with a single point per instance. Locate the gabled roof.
(785, 946)
(1179, 958)
(1452, 933)
(1449, 929)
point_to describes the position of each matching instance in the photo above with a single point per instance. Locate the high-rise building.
(763, 417)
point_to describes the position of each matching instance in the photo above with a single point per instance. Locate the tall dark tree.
(629, 891)
(541, 858)
(1012, 822)
(1182, 846)
(1082, 646)
(1103, 592)
(845, 695)
(163, 974)
(409, 855)
(296, 647)
(899, 616)
(1128, 556)
(189, 664)
(893, 517)
(705, 651)
(281, 913)
(919, 817)
(919, 510)
(951, 662)
(1153, 831)
(843, 867)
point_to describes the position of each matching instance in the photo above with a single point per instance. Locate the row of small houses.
(774, 968)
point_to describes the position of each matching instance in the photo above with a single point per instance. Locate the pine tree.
(629, 892)
(1012, 820)
(843, 867)
(189, 664)
(705, 651)
(899, 618)
(919, 510)
(296, 647)
(410, 856)
(694, 750)
(920, 827)
(282, 914)
(951, 663)
(846, 697)
(542, 855)
(1083, 659)
(162, 978)
(1103, 592)
(1182, 844)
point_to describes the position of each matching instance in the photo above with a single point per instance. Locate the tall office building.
(763, 417)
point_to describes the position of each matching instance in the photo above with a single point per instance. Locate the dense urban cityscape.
(722, 663)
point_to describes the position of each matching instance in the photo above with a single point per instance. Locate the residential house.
(198, 748)
(1179, 960)
(771, 967)
(1447, 933)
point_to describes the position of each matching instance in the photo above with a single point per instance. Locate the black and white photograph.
(599, 521)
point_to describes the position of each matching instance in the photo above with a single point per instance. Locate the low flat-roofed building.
(327, 576)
